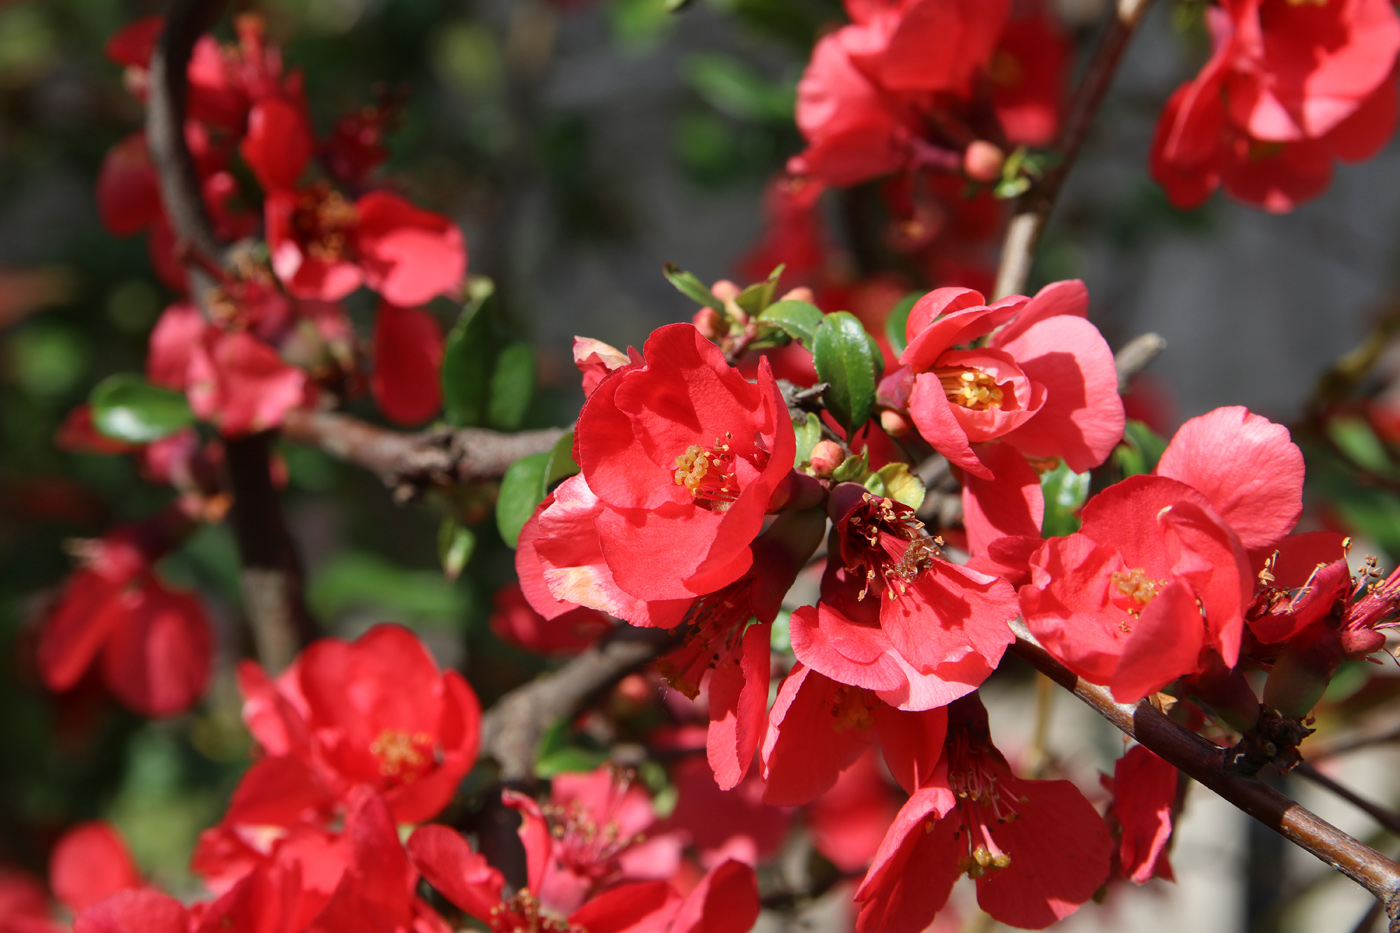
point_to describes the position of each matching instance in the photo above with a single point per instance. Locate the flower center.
(717, 627)
(1137, 586)
(708, 472)
(522, 913)
(403, 757)
(588, 841)
(849, 708)
(972, 389)
(973, 779)
(883, 540)
(322, 221)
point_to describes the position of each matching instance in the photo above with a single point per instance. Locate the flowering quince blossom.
(374, 712)
(156, 643)
(725, 901)
(895, 617)
(1042, 381)
(1037, 849)
(1289, 87)
(1144, 793)
(873, 101)
(1160, 570)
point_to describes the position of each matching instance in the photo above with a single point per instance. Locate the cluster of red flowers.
(274, 334)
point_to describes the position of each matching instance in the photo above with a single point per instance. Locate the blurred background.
(581, 144)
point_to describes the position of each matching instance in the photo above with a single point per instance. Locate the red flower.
(1290, 86)
(1144, 792)
(374, 712)
(1037, 849)
(895, 617)
(1159, 571)
(324, 247)
(156, 643)
(681, 460)
(408, 348)
(1043, 381)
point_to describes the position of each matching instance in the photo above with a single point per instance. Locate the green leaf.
(1355, 439)
(808, 433)
(797, 319)
(455, 545)
(898, 321)
(691, 287)
(556, 754)
(512, 387)
(737, 91)
(1065, 492)
(898, 484)
(1139, 451)
(467, 364)
(846, 358)
(526, 484)
(129, 408)
(851, 469)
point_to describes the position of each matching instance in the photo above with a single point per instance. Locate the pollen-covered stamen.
(717, 628)
(884, 542)
(590, 840)
(322, 221)
(1138, 587)
(402, 757)
(850, 708)
(708, 472)
(972, 389)
(522, 913)
(973, 777)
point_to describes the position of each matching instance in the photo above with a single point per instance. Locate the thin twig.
(1033, 208)
(512, 728)
(1135, 356)
(1197, 758)
(412, 462)
(271, 581)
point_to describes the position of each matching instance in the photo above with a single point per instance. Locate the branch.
(1135, 356)
(271, 581)
(1034, 207)
(512, 728)
(412, 462)
(1205, 762)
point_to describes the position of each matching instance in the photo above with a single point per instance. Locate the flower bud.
(894, 423)
(800, 293)
(826, 457)
(982, 161)
(709, 322)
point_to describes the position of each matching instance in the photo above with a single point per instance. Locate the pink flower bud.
(894, 423)
(982, 161)
(709, 323)
(826, 457)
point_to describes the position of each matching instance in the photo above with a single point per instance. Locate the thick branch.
(272, 592)
(1205, 762)
(412, 462)
(512, 728)
(1034, 207)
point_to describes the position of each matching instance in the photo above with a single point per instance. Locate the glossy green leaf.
(128, 408)
(808, 433)
(1065, 492)
(467, 364)
(512, 387)
(1355, 439)
(899, 484)
(851, 469)
(798, 319)
(527, 483)
(456, 542)
(846, 358)
(691, 287)
(1139, 450)
(898, 321)
(557, 753)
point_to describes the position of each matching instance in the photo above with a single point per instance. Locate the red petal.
(89, 863)
(461, 875)
(157, 662)
(407, 357)
(134, 911)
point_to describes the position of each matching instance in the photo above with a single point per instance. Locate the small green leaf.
(512, 387)
(901, 485)
(691, 287)
(467, 364)
(808, 433)
(798, 319)
(1139, 451)
(522, 489)
(898, 321)
(846, 357)
(1355, 439)
(569, 760)
(851, 469)
(1065, 492)
(128, 408)
(526, 484)
(455, 545)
